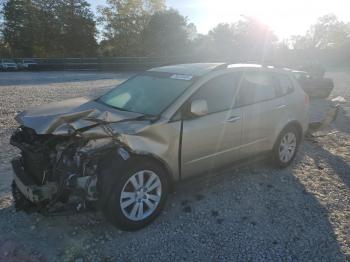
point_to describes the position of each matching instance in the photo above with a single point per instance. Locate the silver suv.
(125, 149)
(7, 65)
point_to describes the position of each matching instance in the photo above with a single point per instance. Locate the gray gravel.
(250, 212)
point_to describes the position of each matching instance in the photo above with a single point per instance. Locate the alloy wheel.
(141, 195)
(287, 147)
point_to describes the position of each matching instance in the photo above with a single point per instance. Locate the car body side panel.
(299, 109)
(210, 141)
(296, 110)
(260, 120)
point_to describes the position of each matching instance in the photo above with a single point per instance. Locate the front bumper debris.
(31, 191)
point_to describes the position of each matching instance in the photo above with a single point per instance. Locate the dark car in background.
(8, 65)
(316, 86)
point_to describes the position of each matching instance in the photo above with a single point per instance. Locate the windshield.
(8, 61)
(149, 93)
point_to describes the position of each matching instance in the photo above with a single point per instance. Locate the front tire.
(286, 147)
(138, 196)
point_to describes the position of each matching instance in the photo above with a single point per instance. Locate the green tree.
(3, 49)
(327, 32)
(77, 28)
(202, 48)
(167, 34)
(223, 41)
(247, 39)
(124, 22)
(18, 27)
(48, 28)
(254, 40)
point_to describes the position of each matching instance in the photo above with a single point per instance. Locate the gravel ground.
(250, 212)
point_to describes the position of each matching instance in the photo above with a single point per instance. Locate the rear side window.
(255, 87)
(219, 92)
(285, 85)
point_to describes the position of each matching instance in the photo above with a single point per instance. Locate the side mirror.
(199, 107)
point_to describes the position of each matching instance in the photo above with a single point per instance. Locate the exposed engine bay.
(54, 169)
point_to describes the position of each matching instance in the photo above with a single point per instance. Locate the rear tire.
(286, 147)
(137, 196)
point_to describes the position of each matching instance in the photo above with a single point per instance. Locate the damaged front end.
(66, 148)
(54, 169)
(61, 148)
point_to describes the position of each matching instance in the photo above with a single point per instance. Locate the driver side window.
(219, 92)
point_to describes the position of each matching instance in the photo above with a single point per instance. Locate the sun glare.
(285, 18)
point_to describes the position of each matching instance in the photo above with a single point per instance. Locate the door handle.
(281, 106)
(233, 119)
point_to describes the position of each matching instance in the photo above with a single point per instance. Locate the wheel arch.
(295, 124)
(117, 160)
(158, 161)
(114, 159)
(275, 158)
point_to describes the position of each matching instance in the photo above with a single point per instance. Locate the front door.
(213, 140)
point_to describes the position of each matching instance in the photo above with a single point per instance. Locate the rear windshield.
(150, 93)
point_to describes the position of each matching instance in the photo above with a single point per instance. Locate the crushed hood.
(60, 118)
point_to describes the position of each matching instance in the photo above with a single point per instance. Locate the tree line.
(68, 28)
(48, 28)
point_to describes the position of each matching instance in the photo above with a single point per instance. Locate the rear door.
(213, 140)
(261, 109)
(285, 90)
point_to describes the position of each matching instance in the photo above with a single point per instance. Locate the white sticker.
(182, 77)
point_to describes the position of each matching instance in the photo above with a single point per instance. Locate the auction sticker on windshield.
(182, 77)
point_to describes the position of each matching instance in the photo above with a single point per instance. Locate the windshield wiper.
(142, 117)
(115, 107)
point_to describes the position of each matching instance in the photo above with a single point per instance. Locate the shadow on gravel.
(343, 121)
(247, 213)
(269, 210)
(339, 165)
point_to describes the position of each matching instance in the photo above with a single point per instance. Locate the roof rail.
(262, 63)
(222, 66)
(271, 63)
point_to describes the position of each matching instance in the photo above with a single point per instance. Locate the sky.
(284, 17)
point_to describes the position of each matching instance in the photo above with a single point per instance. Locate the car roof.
(195, 69)
(200, 69)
